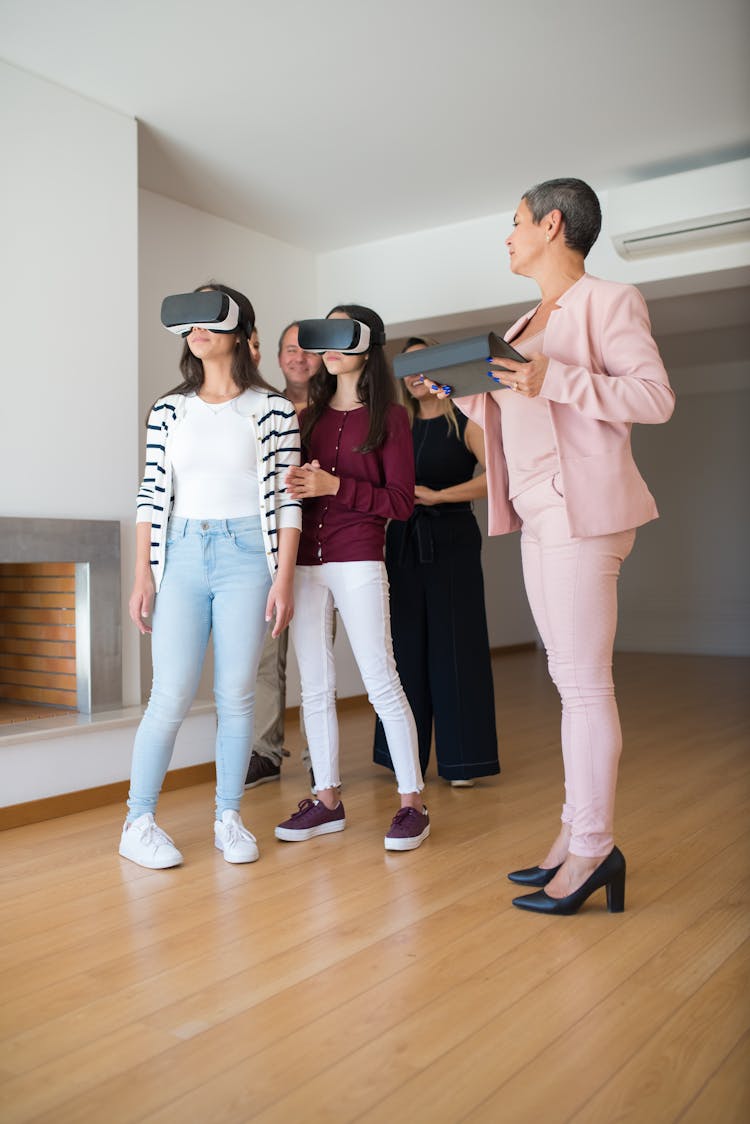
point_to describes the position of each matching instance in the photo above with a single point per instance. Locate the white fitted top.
(214, 463)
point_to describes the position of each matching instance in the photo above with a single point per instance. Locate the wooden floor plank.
(701, 1033)
(26, 1097)
(727, 1091)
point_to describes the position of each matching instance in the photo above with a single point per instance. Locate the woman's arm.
(635, 386)
(142, 598)
(473, 489)
(281, 594)
(395, 498)
(285, 436)
(151, 497)
(287, 455)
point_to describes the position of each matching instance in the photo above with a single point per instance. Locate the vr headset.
(351, 337)
(211, 309)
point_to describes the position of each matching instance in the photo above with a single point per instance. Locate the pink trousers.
(572, 589)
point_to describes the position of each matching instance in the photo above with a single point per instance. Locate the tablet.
(460, 364)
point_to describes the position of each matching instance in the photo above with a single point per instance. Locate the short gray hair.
(578, 204)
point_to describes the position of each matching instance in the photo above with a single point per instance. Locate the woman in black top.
(438, 619)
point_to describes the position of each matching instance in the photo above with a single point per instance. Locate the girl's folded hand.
(310, 480)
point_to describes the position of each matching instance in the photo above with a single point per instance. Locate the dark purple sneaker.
(312, 818)
(408, 830)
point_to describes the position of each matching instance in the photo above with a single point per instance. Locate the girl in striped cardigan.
(216, 543)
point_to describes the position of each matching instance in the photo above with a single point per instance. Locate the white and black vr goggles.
(351, 337)
(210, 309)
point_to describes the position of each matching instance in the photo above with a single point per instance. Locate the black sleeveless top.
(441, 458)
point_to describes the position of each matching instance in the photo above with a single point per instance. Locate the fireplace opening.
(38, 674)
(60, 634)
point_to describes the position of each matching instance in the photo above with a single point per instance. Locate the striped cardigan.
(273, 422)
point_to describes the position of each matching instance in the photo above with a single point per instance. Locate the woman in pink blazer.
(560, 468)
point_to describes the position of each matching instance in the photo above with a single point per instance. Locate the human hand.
(524, 378)
(426, 496)
(439, 390)
(141, 602)
(281, 602)
(310, 480)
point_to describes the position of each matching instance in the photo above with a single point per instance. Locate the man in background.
(297, 367)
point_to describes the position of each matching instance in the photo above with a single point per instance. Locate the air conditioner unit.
(693, 234)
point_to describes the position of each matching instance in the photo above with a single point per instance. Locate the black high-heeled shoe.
(610, 873)
(534, 875)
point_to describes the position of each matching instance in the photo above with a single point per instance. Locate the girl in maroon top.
(359, 473)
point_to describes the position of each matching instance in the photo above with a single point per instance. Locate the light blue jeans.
(216, 579)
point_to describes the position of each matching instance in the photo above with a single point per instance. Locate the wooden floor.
(334, 982)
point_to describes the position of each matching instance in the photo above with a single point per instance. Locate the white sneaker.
(232, 837)
(146, 844)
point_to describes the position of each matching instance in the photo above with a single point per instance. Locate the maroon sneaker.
(408, 830)
(312, 818)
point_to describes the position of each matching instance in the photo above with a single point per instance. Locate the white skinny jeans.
(359, 590)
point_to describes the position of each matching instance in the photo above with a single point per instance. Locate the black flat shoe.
(534, 875)
(610, 873)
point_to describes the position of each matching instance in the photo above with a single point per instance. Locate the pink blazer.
(604, 373)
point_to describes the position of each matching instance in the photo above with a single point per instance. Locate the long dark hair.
(376, 388)
(245, 374)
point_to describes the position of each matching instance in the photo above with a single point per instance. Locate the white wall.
(179, 248)
(68, 291)
(685, 588)
(38, 764)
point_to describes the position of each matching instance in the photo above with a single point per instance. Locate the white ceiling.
(338, 122)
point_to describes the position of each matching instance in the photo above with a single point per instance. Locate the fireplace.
(60, 631)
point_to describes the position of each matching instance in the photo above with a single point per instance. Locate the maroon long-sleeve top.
(375, 487)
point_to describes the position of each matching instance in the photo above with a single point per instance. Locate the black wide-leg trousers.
(440, 641)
